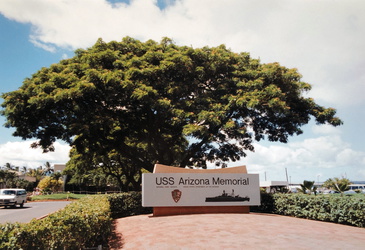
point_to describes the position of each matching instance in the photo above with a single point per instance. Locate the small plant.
(127, 204)
(339, 185)
(308, 187)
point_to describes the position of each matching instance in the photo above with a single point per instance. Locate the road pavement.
(31, 210)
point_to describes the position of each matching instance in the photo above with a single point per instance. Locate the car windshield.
(8, 192)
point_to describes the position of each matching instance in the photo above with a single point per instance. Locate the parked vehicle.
(13, 197)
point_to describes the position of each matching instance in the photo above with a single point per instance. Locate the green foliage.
(49, 183)
(307, 187)
(131, 104)
(9, 178)
(83, 223)
(267, 203)
(349, 210)
(102, 171)
(8, 239)
(127, 204)
(339, 185)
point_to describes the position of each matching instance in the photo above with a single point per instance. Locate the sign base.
(165, 211)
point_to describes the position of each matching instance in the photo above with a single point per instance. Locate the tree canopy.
(148, 102)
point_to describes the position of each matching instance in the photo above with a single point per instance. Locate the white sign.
(212, 189)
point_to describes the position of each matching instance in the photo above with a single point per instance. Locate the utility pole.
(286, 171)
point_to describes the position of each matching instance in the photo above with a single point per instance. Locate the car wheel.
(22, 204)
(14, 206)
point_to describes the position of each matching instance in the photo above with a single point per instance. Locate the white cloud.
(325, 129)
(20, 154)
(41, 45)
(65, 56)
(328, 156)
(324, 39)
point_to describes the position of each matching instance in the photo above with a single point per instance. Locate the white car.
(13, 197)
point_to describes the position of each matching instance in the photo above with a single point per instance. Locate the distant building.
(27, 178)
(23, 176)
(273, 186)
(59, 167)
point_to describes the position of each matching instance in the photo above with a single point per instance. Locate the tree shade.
(138, 103)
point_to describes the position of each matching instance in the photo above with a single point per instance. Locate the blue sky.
(323, 39)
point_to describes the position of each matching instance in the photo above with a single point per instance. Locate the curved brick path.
(234, 231)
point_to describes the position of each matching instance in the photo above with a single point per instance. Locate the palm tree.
(2, 177)
(8, 178)
(48, 169)
(24, 170)
(8, 166)
(307, 187)
(56, 176)
(339, 185)
(37, 173)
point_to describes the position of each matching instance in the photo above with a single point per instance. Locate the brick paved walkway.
(234, 231)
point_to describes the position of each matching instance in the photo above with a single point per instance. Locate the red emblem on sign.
(176, 195)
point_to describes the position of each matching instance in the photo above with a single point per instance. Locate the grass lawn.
(61, 196)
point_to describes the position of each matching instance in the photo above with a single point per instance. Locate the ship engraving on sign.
(226, 197)
(176, 195)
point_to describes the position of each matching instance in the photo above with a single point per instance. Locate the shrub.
(348, 210)
(48, 183)
(127, 204)
(267, 203)
(7, 237)
(83, 223)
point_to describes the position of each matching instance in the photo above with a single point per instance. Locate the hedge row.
(348, 210)
(83, 223)
(86, 222)
(127, 204)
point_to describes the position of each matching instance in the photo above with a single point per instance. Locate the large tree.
(153, 102)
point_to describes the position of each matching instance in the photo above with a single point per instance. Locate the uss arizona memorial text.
(202, 181)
